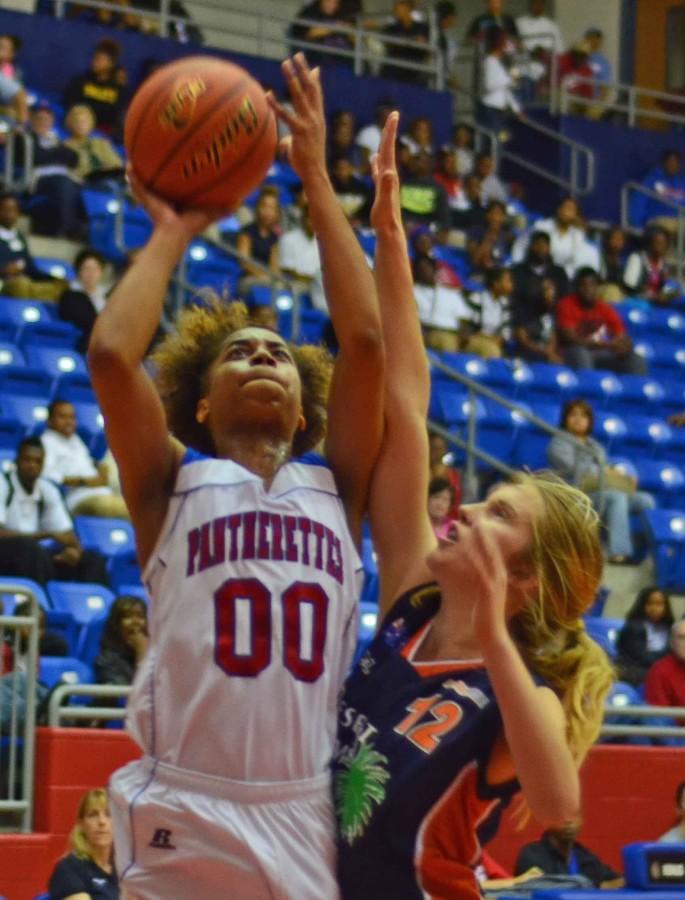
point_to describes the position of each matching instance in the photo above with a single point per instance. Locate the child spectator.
(440, 501)
(20, 275)
(644, 637)
(665, 681)
(492, 315)
(124, 642)
(102, 89)
(86, 296)
(647, 272)
(97, 157)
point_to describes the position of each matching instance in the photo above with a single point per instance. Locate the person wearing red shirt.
(591, 333)
(665, 682)
(574, 68)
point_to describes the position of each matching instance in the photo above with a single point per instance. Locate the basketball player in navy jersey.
(481, 680)
(244, 539)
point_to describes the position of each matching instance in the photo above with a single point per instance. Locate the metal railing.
(59, 712)
(581, 177)
(18, 715)
(267, 34)
(468, 443)
(12, 180)
(630, 729)
(623, 99)
(679, 215)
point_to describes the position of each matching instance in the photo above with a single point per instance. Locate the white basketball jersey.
(252, 625)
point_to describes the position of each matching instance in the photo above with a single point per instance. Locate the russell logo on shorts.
(161, 840)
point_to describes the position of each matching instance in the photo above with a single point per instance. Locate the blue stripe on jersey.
(310, 459)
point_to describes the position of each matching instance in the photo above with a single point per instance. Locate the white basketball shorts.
(181, 835)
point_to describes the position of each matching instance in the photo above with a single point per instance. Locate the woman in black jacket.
(644, 637)
(124, 641)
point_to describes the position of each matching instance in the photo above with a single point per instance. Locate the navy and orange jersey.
(414, 740)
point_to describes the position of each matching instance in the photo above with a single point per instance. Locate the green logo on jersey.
(359, 785)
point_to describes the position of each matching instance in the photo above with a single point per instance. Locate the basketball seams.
(192, 131)
(228, 172)
(142, 115)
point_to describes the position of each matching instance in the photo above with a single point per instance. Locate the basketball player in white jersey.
(247, 555)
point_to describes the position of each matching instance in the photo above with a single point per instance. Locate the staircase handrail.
(630, 108)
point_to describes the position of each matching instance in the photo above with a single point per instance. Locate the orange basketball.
(199, 132)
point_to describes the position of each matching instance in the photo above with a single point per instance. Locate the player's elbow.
(553, 808)
(364, 341)
(105, 355)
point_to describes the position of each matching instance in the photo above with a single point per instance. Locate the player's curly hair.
(183, 360)
(549, 631)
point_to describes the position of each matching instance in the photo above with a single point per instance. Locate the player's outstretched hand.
(386, 212)
(305, 146)
(189, 221)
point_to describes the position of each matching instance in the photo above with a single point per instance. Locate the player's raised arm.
(134, 417)
(355, 418)
(398, 506)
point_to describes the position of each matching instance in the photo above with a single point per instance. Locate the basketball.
(199, 133)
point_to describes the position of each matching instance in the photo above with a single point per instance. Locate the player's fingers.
(280, 111)
(294, 85)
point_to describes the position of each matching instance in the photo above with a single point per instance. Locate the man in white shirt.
(68, 462)
(32, 512)
(538, 30)
(569, 245)
(369, 137)
(443, 311)
(298, 252)
(493, 314)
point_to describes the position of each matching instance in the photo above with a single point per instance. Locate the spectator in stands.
(582, 462)
(98, 159)
(298, 252)
(369, 138)
(101, 88)
(50, 643)
(57, 208)
(647, 271)
(341, 140)
(10, 45)
(69, 464)
(423, 244)
(665, 681)
(418, 138)
(568, 245)
(259, 240)
(575, 78)
(423, 200)
(405, 27)
(353, 192)
(601, 70)
(448, 178)
(538, 30)
(489, 245)
(440, 501)
(534, 327)
(462, 148)
(446, 20)
(559, 853)
(531, 275)
(32, 511)
(676, 835)
(612, 264)
(668, 182)
(591, 333)
(326, 33)
(124, 641)
(88, 870)
(20, 275)
(469, 212)
(482, 26)
(86, 296)
(440, 463)
(497, 101)
(644, 638)
(14, 104)
(492, 321)
(492, 187)
(443, 311)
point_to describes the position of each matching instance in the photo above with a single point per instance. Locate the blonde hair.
(96, 798)
(549, 631)
(184, 358)
(76, 110)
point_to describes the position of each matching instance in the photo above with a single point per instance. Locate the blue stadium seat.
(663, 479)
(551, 383)
(8, 331)
(11, 592)
(54, 670)
(666, 534)
(312, 324)
(56, 267)
(63, 624)
(83, 601)
(133, 590)
(31, 412)
(499, 431)
(56, 361)
(639, 393)
(368, 621)
(23, 312)
(25, 380)
(647, 350)
(644, 436)
(609, 428)
(11, 355)
(11, 432)
(107, 536)
(74, 387)
(49, 334)
(123, 569)
(446, 400)
(530, 447)
(601, 388)
(90, 637)
(668, 360)
(89, 417)
(604, 632)
(669, 323)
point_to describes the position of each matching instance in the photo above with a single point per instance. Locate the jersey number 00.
(243, 619)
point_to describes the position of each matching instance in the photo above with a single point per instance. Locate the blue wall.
(55, 50)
